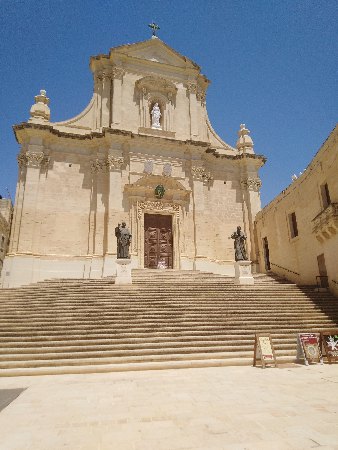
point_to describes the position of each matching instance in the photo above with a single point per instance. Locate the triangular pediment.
(155, 50)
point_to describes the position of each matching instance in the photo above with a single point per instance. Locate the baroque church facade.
(179, 187)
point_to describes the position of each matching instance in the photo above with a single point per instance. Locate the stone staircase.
(166, 319)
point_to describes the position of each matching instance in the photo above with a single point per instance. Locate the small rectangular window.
(325, 195)
(293, 225)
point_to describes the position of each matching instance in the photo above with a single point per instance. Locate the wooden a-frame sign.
(329, 340)
(264, 350)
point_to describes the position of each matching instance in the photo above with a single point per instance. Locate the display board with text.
(264, 350)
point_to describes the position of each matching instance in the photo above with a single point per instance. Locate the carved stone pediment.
(144, 188)
(157, 84)
(155, 50)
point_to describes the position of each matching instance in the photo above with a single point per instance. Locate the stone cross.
(154, 27)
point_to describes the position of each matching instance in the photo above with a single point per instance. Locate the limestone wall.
(5, 225)
(295, 257)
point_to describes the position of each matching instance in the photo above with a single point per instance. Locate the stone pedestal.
(243, 273)
(123, 271)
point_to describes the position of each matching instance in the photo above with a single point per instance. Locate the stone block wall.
(295, 255)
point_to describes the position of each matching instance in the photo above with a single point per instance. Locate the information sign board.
(264, 350)
(330, 344)
(309, 348)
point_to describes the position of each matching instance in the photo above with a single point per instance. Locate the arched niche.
(153, 90)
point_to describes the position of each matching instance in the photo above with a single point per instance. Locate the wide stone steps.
(165, 319)
(191, 354)
(60, 353)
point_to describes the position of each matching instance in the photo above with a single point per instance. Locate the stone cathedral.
(142, 152)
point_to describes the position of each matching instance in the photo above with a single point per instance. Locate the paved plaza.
(292, 407)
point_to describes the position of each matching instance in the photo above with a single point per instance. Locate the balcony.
(325, 224)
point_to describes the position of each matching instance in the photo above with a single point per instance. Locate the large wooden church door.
(158, 241)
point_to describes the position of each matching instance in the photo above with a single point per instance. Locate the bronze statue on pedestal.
(123, 241)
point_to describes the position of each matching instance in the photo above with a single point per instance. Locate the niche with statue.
(157, 100)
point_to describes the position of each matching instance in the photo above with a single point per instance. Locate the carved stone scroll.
(199, 173)
(105, 165)
(252, 184)
(97, 165)
(117, 72)
(191, 87)
(33, 159)
(200, 95)
(114, 162)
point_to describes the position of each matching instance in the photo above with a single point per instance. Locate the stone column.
(97, 218)
(98, 207)
(33, 159)
(106, 98)
(251, 206)
(199, 178)
(193, 110)
(115, 207)
(116, 100)
(200, 96)
(98, 78)
(144, 108)
(114, 210)
(18, 205)
(92, 207)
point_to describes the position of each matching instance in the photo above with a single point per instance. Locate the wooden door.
(158, 241)
(322, 271)
(266, 253)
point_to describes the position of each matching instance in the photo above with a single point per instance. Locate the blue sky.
(272, 64)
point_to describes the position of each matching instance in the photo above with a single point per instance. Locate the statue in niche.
(239, 245)
(123, 241)
(155, 117)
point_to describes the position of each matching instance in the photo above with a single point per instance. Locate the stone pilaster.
(193, 109)
(115, 200)
(116, 99)
(97, 98)
(199, 178)
(106, 98)
(100, 214)
(251, 205)
(30, 163)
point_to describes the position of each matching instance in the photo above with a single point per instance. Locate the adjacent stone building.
(143, 152)
(297, 233)
(5, 225)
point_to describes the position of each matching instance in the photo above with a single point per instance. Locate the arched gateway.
(143, 152)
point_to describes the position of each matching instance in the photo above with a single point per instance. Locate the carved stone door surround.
(158, 241)
(157, 207)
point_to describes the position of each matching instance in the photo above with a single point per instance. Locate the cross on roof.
(154, 27)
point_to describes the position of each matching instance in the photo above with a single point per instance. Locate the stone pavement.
(294, 407)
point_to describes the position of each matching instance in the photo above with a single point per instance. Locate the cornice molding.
(204, 146)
